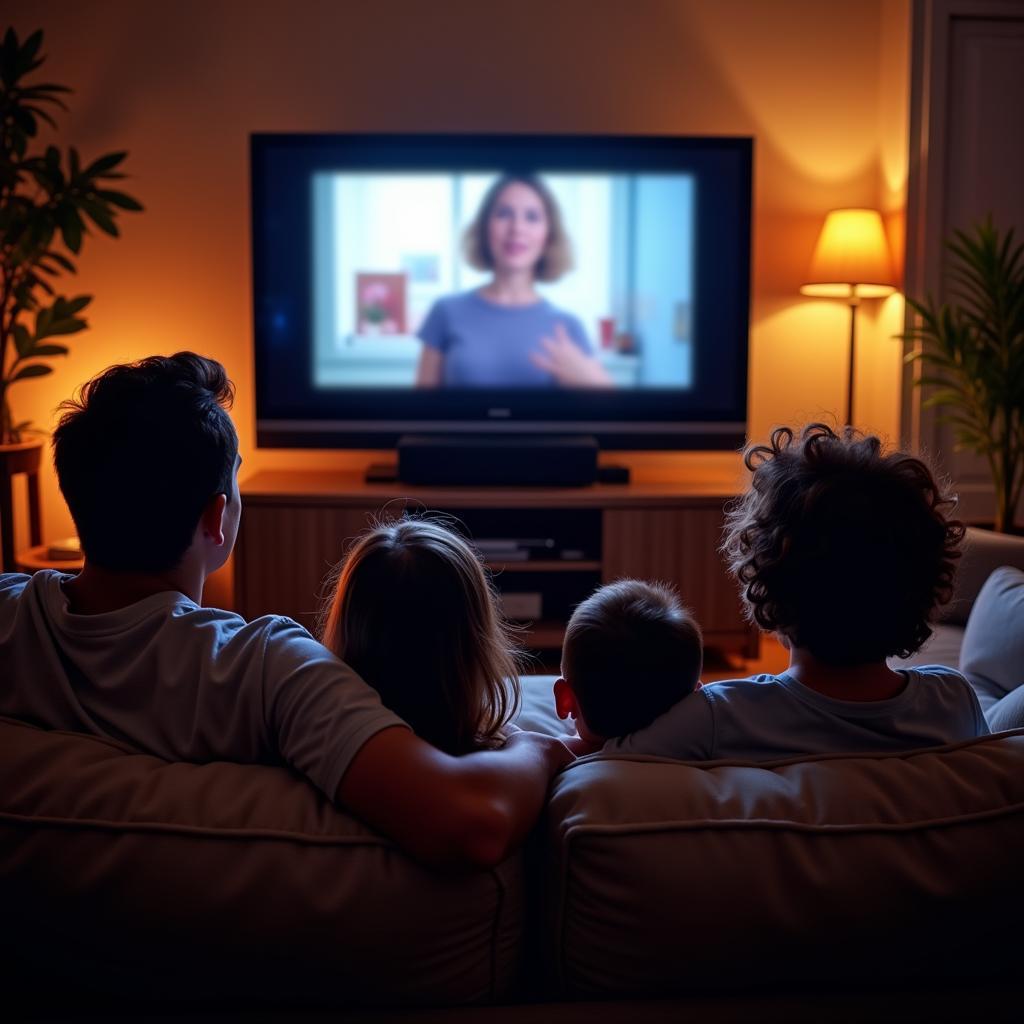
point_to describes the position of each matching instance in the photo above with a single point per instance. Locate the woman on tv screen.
(505, 334)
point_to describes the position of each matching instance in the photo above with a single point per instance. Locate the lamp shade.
(851, 259)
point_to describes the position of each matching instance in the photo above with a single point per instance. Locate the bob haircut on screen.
(556, 260)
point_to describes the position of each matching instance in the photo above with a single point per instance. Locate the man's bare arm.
(468, 811)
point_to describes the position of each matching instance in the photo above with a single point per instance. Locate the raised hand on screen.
(560, 356)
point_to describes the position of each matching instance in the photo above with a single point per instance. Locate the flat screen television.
(474, 285)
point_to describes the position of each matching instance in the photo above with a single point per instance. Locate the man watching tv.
(147, 460)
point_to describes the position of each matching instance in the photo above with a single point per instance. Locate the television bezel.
(637, 419)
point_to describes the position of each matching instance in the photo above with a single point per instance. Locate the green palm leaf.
(47, 198)
(973, 347)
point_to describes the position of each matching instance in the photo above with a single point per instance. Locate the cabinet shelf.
(545, 565)
(543, 635)
(297, 524)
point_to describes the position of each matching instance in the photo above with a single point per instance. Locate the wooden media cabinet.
(546, 545)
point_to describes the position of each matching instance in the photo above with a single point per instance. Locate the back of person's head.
(413, 612)
(842, 548)
(139, 454)
(631, 651)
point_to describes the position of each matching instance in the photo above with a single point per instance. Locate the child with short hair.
(631, 651)
(414, 613)
(845, 551)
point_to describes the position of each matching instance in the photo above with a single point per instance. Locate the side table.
(33, 559)
(26, 458)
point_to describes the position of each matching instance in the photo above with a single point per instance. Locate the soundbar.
(509, 460)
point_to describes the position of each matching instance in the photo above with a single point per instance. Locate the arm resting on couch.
(468, 811)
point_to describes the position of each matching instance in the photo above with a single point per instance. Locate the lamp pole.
(854, 303)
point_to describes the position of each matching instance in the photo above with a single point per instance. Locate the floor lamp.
(851, 261)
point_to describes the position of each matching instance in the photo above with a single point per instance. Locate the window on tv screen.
(413, 270)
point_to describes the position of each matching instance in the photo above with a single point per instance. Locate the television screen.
(501, 283)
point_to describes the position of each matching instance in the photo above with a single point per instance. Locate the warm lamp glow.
(851, 259)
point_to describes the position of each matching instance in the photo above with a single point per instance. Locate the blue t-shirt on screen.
(488, 345)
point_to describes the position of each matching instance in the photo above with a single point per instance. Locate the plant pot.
(24, 457)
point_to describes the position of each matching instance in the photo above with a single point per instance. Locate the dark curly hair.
(140, 452)
(841, 548)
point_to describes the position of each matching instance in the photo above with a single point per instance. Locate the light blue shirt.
(767, 717)
(488, 345)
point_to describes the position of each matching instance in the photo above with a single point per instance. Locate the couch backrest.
(667, 877)
(126, 874)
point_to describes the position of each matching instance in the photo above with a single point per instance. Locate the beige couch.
(828, 886)
(670, 885)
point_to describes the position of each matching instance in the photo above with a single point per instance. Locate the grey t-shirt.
(485, 344)
(766, 717)
(183, 682)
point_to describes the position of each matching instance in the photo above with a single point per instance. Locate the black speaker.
(505, 459)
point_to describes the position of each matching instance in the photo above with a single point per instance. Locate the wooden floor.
(773, 658)
(717, 665)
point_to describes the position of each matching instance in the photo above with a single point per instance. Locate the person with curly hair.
(845, 551)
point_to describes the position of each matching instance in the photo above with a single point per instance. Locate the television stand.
(387, 473)
(548, 546)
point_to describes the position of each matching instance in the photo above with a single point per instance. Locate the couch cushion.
(993, 650)
(941, 648)
(128, 874)
(537, 710)
(666, 877)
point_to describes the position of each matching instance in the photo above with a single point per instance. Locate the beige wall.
(821, 87)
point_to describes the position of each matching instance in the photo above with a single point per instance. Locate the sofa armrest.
(984, 552)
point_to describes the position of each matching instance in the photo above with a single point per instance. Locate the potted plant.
(47, 201)
(973, 348)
